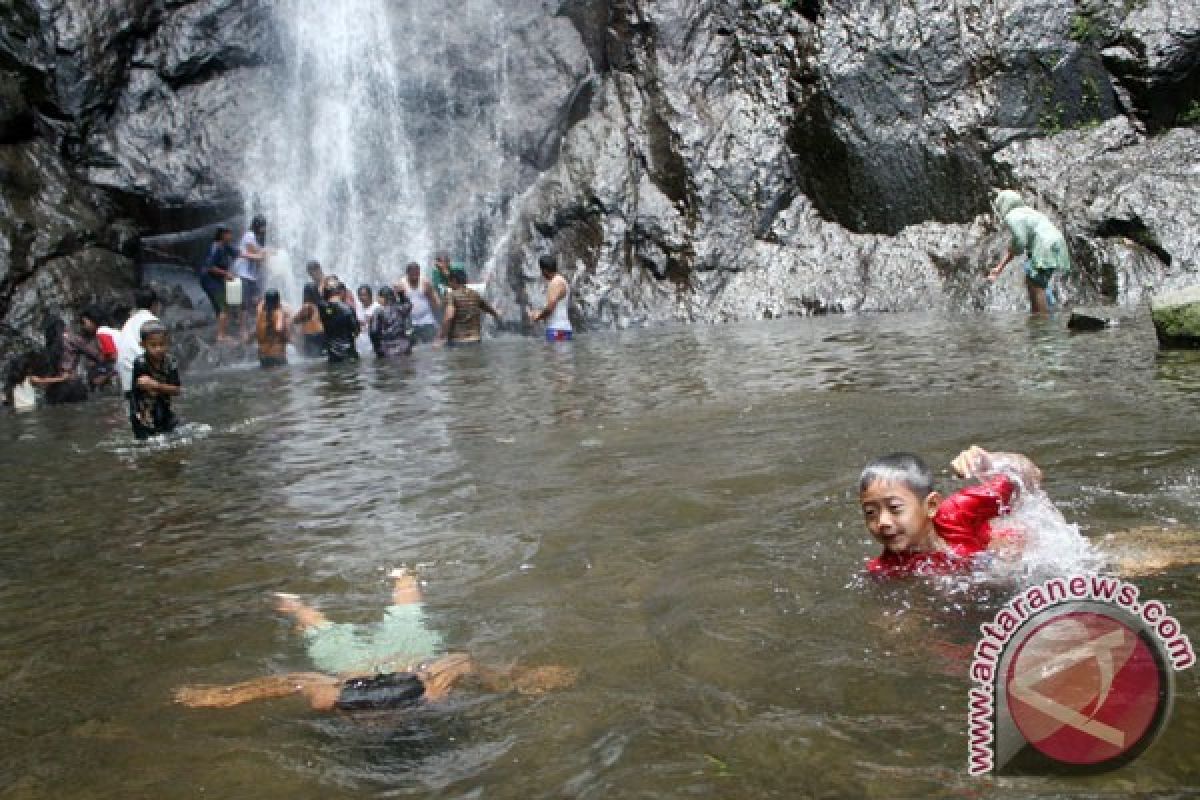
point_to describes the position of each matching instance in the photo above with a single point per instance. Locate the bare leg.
(406, 590)
(1037, 298)
(315, 686)
(305, 615)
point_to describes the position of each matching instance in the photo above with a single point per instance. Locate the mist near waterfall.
(395, 130)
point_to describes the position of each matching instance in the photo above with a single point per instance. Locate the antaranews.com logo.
(1074, 675)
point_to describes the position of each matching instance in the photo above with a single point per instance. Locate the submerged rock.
(1176, 318)
(1080, 321)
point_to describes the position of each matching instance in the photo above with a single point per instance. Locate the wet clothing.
(398, 642)
(553, 335)
(560, 318)
(220, 257)
(272, 345)
(389, 330)
(151, 414)
(1035, 236)
(440, 283)
(81, 364)
(467, 325)
(422, 310)
(129, 346)
(341, 329)
(312, 332)
(963, 521)
(249, 270)
(384, 691)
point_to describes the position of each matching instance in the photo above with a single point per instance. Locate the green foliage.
(1192, 115)
(1083, 27)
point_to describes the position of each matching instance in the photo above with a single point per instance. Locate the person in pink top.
(924, 534)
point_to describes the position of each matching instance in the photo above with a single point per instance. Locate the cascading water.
(398, 129)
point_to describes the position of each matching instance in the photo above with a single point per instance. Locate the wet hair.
(95, 314)
(387, 293)
(220, 232)
(53, 331)
(145, 298)
(906, 469)
(412, 265)
(153, 328)
(271, 299)
(458, 274)
(333, 289)
(548, 263)
(370, 291)
(258, 223)
(312, 266)
(311, 295)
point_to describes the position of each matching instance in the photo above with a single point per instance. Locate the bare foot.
(406, 589)
(305, 615)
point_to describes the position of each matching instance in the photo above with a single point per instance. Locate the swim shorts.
(398, 641)
(558, 335)
(389, 690)
(424, 334)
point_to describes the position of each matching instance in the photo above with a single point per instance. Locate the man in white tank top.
(425, 305)
(558, 302)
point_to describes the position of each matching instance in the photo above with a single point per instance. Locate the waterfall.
(390, 135)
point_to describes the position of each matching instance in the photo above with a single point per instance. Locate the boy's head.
(223, 235)
(548, 266)
(155, 341)
(898, 502)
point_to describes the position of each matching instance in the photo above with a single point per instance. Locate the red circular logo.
(1084, 688)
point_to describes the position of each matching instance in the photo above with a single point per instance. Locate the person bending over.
(394, 664)
(924, 534)
(1039, 240)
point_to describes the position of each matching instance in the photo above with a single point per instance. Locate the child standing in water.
(389, 328)
(921, 533)
(394, 664)
(155, 381)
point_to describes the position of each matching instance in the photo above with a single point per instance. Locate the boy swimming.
(155, 380)
(924, 534)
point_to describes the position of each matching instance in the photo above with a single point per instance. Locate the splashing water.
(393, 134)
(332, 170)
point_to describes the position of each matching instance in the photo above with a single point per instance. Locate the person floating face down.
(463, 322)
(155, 382)
(394, 664)
(389, 325)
(340, 323)
(1033, 235)
(923, 534)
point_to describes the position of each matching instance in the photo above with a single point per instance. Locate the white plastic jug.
(24, 396)
(233, 292)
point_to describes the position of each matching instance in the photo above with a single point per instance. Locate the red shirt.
(963, 522)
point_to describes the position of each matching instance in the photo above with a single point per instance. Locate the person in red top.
(921, 533)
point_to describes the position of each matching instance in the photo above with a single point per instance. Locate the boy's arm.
(975, 462)
(487, 307)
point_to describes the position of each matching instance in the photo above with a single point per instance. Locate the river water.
(672, 511)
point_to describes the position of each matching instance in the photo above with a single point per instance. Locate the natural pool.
(672, 511)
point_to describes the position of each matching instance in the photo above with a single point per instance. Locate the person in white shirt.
(252, 256)
(129, 343)
(558, 302)
(425, 304)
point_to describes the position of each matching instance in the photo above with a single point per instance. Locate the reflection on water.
(672, 511)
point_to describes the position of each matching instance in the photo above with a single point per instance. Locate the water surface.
(671, 510)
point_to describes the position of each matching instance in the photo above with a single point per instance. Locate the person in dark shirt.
(155, 382)
(389, 325)
(217, 270)
(75, 358)
(340, 323)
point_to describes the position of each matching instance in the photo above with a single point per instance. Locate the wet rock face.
(117, 117)
(688, 161)
(746, 159)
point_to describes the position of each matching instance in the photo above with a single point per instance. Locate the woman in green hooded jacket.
(1039, 240)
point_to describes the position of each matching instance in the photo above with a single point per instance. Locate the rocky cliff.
(696, 161)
